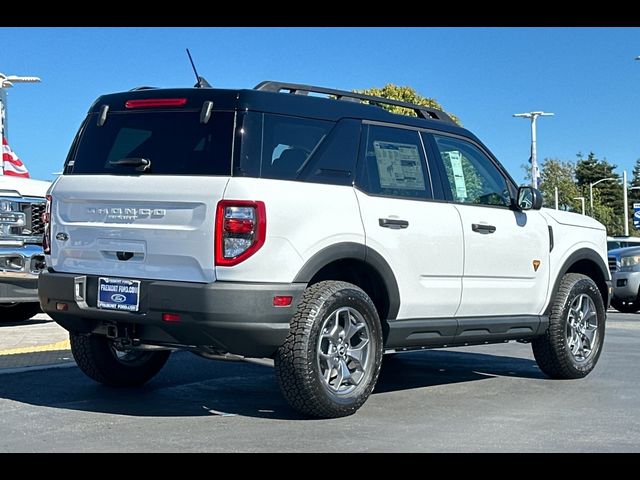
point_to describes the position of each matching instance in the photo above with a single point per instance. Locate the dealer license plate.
(118, 294)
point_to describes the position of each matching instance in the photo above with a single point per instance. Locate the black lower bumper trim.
(232, 317)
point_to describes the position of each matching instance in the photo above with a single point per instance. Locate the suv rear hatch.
(139, 192)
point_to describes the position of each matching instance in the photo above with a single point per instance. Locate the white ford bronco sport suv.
(320, 232)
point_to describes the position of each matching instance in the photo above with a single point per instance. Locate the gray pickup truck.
(22, 204)
(624, 264)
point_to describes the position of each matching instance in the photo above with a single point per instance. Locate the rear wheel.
(625, 306)
(572, 345)
(330, 361)
(98, 358)
(18, 312)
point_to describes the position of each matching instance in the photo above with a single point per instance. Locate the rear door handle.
(482, 228)
(392, 223)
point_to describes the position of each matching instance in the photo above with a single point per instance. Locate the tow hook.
(120, 337)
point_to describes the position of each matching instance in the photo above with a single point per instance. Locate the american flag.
(11, 164)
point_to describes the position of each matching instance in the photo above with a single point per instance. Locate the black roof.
(268, 97)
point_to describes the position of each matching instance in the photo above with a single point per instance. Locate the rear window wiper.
(141, 164)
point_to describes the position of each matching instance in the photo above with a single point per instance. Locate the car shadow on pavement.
(429, 368)
(31, 321)
(192, 386)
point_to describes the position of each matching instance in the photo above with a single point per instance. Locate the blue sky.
(586, 76)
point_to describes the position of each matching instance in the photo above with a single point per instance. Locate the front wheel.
(98, 358)
(331, 359)
(571, 346)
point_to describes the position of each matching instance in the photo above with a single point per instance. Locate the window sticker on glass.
(455, 159)
(399, 165)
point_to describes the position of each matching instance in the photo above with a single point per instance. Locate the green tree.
(573, 181)
(561, 175)
(607, 196)
(405, 94)
(606, 215)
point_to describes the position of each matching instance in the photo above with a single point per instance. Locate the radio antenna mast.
(201, 82)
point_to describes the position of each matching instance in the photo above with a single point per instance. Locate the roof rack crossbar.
(300, 89)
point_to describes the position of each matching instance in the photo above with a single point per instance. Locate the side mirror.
(529, 198)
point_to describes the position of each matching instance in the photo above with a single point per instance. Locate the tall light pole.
(591, 185)
(581, 201)
(7, 81)
(625, 203)
(534, 159)
(625, 199)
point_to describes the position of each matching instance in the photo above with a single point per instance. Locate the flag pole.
(3, 96)
(7, 81)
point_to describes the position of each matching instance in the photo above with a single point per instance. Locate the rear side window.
(174, 142)
(334, 161)
(392, 163)
(278, 146)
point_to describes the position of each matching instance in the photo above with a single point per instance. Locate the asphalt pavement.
(32, 344)
(477, 399)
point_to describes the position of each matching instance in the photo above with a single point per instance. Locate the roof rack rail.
(299, 89)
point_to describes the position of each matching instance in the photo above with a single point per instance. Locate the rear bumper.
(231, 317)
(19, 267)
(18, 290)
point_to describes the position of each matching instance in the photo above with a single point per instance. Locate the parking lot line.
(62, 345)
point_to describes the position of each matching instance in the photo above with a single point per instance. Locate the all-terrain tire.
(98, 359)
(553, 350)
(299, 365)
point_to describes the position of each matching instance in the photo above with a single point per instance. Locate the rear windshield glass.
(160, 142)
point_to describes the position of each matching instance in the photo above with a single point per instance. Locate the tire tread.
(550, 349)
(293, 362)
(92, 357)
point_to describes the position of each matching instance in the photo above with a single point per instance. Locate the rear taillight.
(241, 227)
(46, 218)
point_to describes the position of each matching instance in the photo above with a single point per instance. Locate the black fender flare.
(580, 254)
(356, 251)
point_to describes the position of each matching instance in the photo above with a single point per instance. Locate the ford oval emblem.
(118, 297)
(63, 237)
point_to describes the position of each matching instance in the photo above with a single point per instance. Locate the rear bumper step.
(233, 317)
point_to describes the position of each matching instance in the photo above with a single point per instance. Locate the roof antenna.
(200, 81)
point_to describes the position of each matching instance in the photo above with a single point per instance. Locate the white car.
(320, 232)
